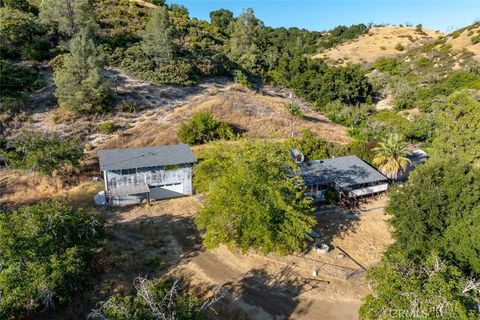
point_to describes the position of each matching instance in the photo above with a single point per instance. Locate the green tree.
(204, 128)
(157, 40)
(43, 153)
(439, 195)
(19, 30)
(80, 86)
(17, 79)
(68, 16)
(221, 20)
(252, 202)
(243, 46)
(45, 256)
(22, 5)
(391, 156)
(434, 289)
(459, 127)
(293, 109)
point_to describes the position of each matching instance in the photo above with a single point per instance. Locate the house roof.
(117, 159)
(344, 171)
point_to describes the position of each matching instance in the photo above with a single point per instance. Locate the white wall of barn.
(152, 176)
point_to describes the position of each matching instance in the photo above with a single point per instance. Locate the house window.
(128, 171)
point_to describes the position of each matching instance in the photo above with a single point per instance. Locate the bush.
(43, 153)
(390, 65)
(383, 123)
(18, 29)
(108, 127)
(242, 79)
(315, 148)
(153, 297)
(399, 47)
(177, 71)
(475, 39)
(347, 115)
(128, 106)
(18, 80)
(204, 128)
(45, 256)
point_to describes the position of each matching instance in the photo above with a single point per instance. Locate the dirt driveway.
(162, 240)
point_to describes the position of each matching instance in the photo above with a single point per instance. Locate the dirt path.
(265, 298)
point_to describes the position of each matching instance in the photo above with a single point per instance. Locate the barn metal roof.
(344, 171)
(117, 159)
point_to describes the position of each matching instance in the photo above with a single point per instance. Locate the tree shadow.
(275, 295)
(334, 222)
(147, 246)
(314, 120)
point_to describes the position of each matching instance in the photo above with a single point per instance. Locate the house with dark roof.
(350, 176)
(135, 174)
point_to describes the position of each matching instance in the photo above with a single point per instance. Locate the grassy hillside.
(378, 42)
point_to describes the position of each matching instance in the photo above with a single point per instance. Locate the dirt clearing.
(162, 240)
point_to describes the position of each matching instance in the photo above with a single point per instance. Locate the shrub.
(17, 80)
(45, 256)
(399, 47)
(154, 299)
(204, 128)
(390, 65)
(475, 39)
(108, 127)
(242, 79)
(17, 29)
(383, 123)
(347, 115)
(128, 106)
(43, 153)
(314, 147)
(423, 62)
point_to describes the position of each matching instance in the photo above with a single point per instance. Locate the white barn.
(136, 174)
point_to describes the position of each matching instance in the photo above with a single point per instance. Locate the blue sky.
(444, 15)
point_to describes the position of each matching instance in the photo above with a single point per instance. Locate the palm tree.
(391, 156)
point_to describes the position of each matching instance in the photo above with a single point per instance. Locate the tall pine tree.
(68, 16)
(79, 83)
(157, 38)
(243, 43)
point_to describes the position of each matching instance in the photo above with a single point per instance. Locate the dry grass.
(257, 114)
(464, 42)
(19, 189)
(378, 42)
